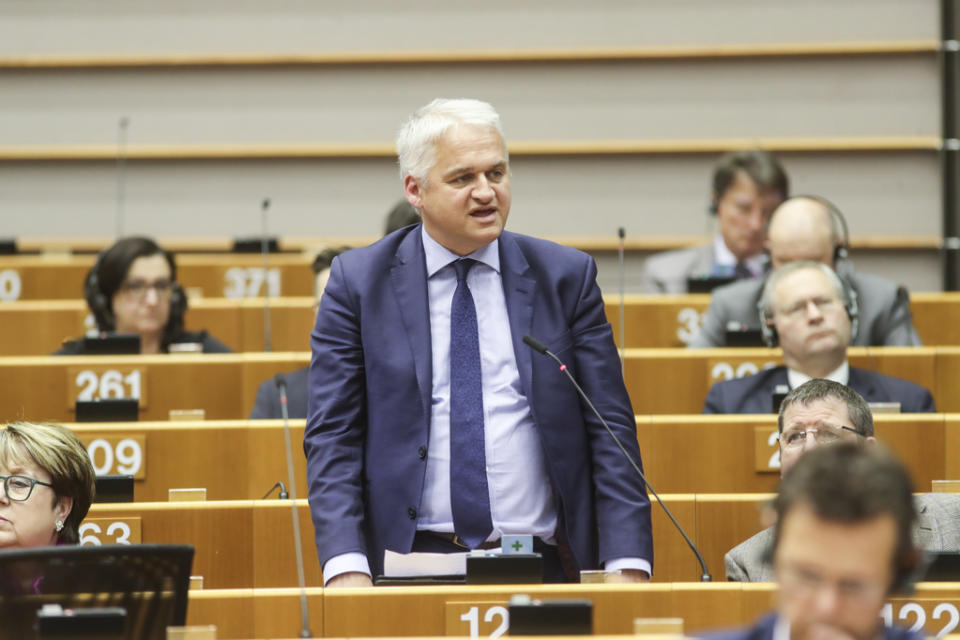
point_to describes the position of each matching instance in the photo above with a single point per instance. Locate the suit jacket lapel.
(409, 277)
(519, 290)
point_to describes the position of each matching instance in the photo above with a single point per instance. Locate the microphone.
(539, 347)
(281, 381)
(283, 491)
(121, 174)
(621, 235)
(265, 251)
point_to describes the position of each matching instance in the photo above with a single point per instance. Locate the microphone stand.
(265, 250)
(281, 383)
(539, 347)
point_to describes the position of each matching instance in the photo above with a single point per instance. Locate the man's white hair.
(417, 138)
(769, 288)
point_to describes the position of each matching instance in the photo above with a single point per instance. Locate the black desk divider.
(149, 581)
(116, 488)
(110, 410)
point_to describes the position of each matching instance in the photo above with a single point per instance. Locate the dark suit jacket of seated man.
(372, 407)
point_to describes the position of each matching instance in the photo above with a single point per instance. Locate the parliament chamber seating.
(721, 454)
(448, 610)
(651, 321)
(660, 381)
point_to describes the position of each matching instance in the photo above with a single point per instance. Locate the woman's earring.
(59, 526)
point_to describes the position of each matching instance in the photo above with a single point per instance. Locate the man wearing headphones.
(840, 548)
(806, 310)
(819, 412)
(811, 228)
(747, 187)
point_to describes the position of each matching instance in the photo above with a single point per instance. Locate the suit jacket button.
(412, 513)
(422, 452)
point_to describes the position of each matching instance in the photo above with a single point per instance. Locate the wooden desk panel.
(670, 320)
(239, 544)
(656, 320)
(35, 388)
(719, 454)
(39, 327)
(723, 522)
(255, 613)
(420, 611)
(676, 381)
(936, 317)
(61, 277)
(232, 460)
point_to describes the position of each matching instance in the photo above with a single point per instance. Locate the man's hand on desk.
(628, 575)
(350, 579)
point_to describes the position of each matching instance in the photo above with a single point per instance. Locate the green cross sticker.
(517, 545)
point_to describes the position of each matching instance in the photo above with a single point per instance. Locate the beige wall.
(887, 193)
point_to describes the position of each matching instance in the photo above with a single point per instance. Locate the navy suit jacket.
(762, 629)
(370, 397)
(267, 404)
(754, 394)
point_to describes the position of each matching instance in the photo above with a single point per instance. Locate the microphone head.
(280, 380)
(621, 233)
(535, 344)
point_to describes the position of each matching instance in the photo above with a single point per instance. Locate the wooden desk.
(242, 543)
(423, 611)
(207, 454)
(232, 275)
(656, 320)
(721, 454)
(660, 381)
(39, 327)
(224, 385)
(732, 454)
(239, 544)
(671, 320)
(676, 381)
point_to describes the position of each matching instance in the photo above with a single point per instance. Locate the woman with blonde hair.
(46, 485)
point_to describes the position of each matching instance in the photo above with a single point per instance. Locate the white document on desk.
(409, 565)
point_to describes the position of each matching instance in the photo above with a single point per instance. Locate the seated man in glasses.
(133, 288)
(841, 547)
(822, 412)
(806, 310)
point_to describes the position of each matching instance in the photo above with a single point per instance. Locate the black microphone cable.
(539, 347)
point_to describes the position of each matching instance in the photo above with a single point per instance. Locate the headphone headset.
(102, 308)
(850, 302)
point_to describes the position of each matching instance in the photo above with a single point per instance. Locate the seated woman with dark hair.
(46, 485)
(133, 288)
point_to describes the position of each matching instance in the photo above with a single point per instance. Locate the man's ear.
(413, 191)
(871, 440)
(63, 507)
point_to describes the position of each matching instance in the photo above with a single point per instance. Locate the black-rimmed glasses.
(825, 434)
(19, 488)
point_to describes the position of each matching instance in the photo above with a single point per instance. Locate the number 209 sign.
(117, 455)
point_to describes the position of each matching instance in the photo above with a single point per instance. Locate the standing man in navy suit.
(431, 426)
(807, 311)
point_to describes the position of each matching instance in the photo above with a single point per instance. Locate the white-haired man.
(431, 425)
(804, 305)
